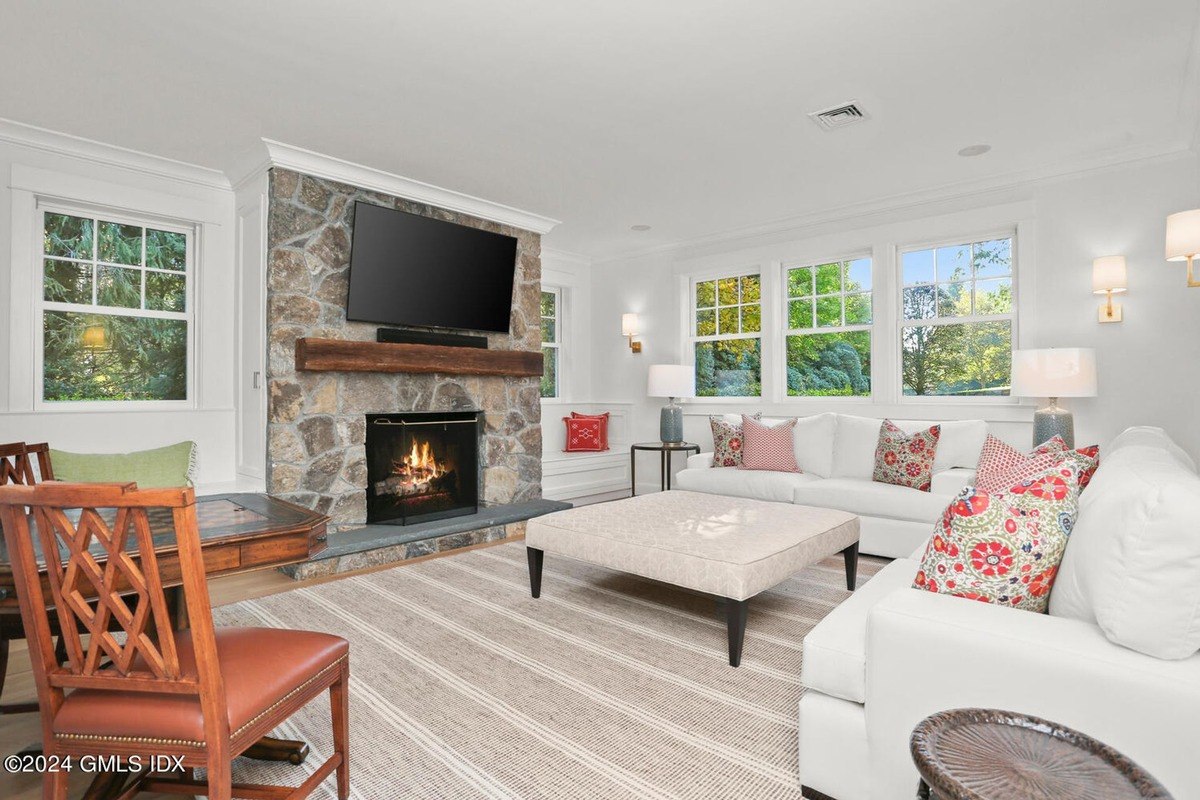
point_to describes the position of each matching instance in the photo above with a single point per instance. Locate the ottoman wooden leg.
(735, 620)
(535, 557)
(851, 556)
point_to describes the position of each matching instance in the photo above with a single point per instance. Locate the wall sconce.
(629, 327)
(1183, 240)
(1109, 278)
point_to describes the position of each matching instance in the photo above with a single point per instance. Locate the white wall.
(1148, 372)
(37, 163)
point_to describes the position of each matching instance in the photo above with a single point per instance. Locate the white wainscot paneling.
(585, 477)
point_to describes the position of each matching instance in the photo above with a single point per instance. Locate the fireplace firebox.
(422, 466)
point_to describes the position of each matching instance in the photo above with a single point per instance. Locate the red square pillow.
(583, 435)
(768, 448)
(603, 425)
(1002, 466)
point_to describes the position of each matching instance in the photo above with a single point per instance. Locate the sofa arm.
(928, 652)
(952, 481)
(700, 461)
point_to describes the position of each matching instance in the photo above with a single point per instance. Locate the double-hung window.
(957, 319)
(727, 336)
(827, 342)
(551, 340)
(115, 309)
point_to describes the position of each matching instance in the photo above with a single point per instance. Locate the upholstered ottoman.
(731, 547)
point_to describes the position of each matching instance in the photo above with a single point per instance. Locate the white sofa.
(836, 453)
(890, 655)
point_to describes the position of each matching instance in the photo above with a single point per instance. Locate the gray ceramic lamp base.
(1053, 421)
(670, 423)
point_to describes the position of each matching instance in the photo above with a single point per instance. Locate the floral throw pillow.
(906, 460)
(1089, 457)
(1004, 548)
(727, 441)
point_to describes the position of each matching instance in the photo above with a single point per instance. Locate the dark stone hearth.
(316, 430)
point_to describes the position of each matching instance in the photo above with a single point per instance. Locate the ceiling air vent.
(839, 116)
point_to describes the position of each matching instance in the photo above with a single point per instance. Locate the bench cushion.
(727, 546)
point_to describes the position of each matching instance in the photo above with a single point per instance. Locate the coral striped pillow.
(768, 448)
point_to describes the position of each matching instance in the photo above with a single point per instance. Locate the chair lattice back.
(113, 593)
(15, 466)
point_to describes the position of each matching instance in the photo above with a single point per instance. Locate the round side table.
(985, 754)
(666, 449)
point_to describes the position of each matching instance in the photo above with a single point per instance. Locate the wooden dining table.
(238, 532)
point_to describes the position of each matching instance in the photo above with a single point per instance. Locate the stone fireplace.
(318, 422)
(422, 467)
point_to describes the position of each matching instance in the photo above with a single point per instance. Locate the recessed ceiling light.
(639, 228)
(974, 150)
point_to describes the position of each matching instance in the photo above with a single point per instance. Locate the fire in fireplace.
(422, 466)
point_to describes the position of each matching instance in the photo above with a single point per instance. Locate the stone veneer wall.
(315, 430)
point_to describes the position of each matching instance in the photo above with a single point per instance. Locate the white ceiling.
(687, 115)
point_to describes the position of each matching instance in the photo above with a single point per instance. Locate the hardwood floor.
(18, 731)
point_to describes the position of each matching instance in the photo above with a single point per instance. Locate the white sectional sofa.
(1128, 591)
(836, 453)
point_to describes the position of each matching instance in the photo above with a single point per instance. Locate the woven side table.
(984, 754)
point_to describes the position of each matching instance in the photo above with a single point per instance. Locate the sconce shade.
(671, 380)
(1183, 235)
(629, 324)
(1109, 275)
(1054, 372)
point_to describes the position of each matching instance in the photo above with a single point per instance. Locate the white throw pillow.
(1132, 564)
(959, 445)
(813, 441)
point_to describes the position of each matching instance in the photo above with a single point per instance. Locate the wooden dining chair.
(205, 694)
(41, 452)
(15, 466)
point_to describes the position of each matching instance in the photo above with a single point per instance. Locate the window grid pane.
(108, 348)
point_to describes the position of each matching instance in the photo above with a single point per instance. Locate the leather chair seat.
(260, 667)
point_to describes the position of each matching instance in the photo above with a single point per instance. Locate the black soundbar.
(397, 336)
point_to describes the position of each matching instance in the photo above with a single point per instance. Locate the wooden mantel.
(340, 355)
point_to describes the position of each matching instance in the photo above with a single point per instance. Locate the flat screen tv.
(411, 270)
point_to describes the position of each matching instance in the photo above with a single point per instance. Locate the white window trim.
(691, 338)
(40, 305)
(785, 299)
(901, 323)
(884, 244)
(558, 342)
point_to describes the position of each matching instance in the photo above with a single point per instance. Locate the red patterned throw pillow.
(727, 441)
(1002, 466)
(583, 435)
(1004, 548)
(768, 448)
(906, 460)
(603, 425)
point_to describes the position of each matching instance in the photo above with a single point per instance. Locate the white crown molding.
(298, 159)
(64, 144)
(565, 258)
(730, 239)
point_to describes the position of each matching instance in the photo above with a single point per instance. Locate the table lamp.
(1053, 373)
(671, 381)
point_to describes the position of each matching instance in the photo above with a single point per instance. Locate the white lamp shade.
(1183, 235)
(672, 380)
(1054, 372)
(1108, 275)
(629, 325)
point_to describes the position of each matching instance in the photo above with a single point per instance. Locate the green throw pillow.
(158, 468)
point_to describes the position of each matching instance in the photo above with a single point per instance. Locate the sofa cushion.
(856, 437)
(905, 459)
(873, 499)
(757, 485)
(1133, 562)
(768, 448)
(170, 466)
(1004, 548)
(727, 441)
(835, 651)
(813, 442)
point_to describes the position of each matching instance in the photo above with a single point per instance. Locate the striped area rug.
(609, 686)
